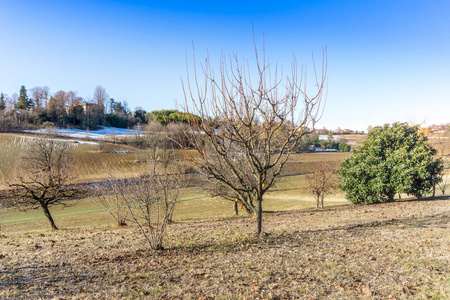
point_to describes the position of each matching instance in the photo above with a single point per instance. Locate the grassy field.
(195, 204)
(390, 251)
(91, 161)
(397, 250)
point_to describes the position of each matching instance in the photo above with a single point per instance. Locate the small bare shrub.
(149, 200)
(321, 180)
(101, 145)
(444, 183)
(110, 196)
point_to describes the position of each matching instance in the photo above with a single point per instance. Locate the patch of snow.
(104, 133)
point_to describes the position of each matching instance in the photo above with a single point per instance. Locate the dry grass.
(195, 204)
(389, 251)
(91, 162)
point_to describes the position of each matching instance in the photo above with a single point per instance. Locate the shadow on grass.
(72, 273)
(269, 239)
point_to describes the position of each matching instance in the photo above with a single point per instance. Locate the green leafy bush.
(394, 159)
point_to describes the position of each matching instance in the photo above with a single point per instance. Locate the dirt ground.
(397, 250)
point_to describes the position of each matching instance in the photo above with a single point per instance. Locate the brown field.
(93, 164)
(390, 251)
(398, 250)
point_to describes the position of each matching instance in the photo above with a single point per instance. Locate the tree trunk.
(235, 208)
(258, 216)
(321, 200)
(391, 197)
(434, 190)
(49, 216)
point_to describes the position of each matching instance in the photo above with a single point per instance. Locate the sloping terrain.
(398, 250)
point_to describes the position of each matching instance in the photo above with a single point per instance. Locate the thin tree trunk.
(49, 216)
(258, 216)
(321, 199)
(235, 208)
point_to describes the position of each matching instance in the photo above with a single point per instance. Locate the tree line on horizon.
(40, 108)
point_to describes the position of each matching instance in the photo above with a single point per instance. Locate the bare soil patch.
(390, 251)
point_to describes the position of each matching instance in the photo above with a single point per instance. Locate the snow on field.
(24, 140)
(106, 133)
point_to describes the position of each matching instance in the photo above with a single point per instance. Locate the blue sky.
(387, 60)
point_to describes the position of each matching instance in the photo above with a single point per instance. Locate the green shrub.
(393, 159)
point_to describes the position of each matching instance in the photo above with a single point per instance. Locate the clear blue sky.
(388, 60)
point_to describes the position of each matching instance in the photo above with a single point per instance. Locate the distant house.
(303, 129)
(323, 131)
(433, 130)
(438, 129)
(87, 106)
(346, 131)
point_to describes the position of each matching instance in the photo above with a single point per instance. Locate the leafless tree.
(100, 96)
(12, 101)
(444, 183)
(250, 124)
(110, 195)
(40, 96)
(149, 199)
(440, 142)
(44, 176)
(155, 197)
(321, 180)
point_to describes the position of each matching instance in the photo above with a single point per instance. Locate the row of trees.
(67, 109)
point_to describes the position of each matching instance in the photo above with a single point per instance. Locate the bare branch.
(250, 125)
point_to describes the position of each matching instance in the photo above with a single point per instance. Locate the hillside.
(391, 251)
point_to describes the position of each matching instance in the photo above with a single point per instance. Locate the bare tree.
(250, 125)
(150, 199)
(44, 176)
(40, 96)
(110, 195)
(100, 96)
(440, 142)
(321, 180)
(155, 197)
(97, 112)
(12, 101)
(444, 183)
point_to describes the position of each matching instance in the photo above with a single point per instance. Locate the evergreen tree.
(24, 102)
(2, 101)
